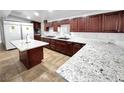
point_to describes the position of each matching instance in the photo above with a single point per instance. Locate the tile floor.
(12, 70)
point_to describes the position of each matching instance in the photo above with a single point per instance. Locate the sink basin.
(50, 36)
(64, 38)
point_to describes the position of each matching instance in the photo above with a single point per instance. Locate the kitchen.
(62, 46)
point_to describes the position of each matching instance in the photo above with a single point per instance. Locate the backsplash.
(116, 38)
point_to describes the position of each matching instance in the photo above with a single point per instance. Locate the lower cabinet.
(46, 40)
(32, 57)
(65, 47)
(77, 47)
(37, 37)
(52, 44)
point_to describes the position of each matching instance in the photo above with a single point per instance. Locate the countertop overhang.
(21, 45)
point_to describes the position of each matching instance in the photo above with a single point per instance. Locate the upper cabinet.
(93, 23)
(86, 24)
(63, 22)
(36, 25)
(55, 25)
(82, 24)
(47, 26)
(74, 25)
(110, 22)
(121, 18)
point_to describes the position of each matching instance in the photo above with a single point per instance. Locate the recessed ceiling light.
(28, 17)
(36, 14)
(51, 11)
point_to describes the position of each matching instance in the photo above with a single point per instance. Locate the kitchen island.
(30, 53)
(95, 62)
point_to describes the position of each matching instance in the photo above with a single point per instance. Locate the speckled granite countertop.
(95, 62)
(21, 45)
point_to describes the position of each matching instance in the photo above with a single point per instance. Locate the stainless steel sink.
(50, 36)
(64, 38)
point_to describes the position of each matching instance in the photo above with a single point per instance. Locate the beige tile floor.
(12, 70)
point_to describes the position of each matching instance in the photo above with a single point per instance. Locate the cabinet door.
(46, 40)
(110, 22)
(77, 47)
(60, 46)
(37, 37)
(46, 27)
(74, 25)
(63, 22)
(93, 23)
(69, 48)
(121, 22)
(53, 44)
(36, 25)
(55, 26)
(82, 24)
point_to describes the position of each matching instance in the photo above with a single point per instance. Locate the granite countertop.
(21, 45)
(95, 62)
(74, 39)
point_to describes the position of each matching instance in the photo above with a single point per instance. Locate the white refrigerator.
(16, 31)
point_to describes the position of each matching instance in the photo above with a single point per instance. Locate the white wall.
(13, 18)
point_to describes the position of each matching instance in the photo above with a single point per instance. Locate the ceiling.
(45, 14)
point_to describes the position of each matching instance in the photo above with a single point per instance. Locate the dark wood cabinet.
(47, 26)
(31, 57)
(107, 22)
(60, 46)
(121, 22)
(46, 40)
(93, 23)
(55, 26)
(63, 22)
(110, 22)
(69, 48)
(74, 25)
(65, 47)
(82, 24)
(77, 47)
(36, 25)
(37, 37)
(53, 44)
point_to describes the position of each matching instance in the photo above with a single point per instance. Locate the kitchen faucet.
(27, 38)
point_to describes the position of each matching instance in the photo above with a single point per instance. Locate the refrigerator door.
(27, 29)
(11, 32)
